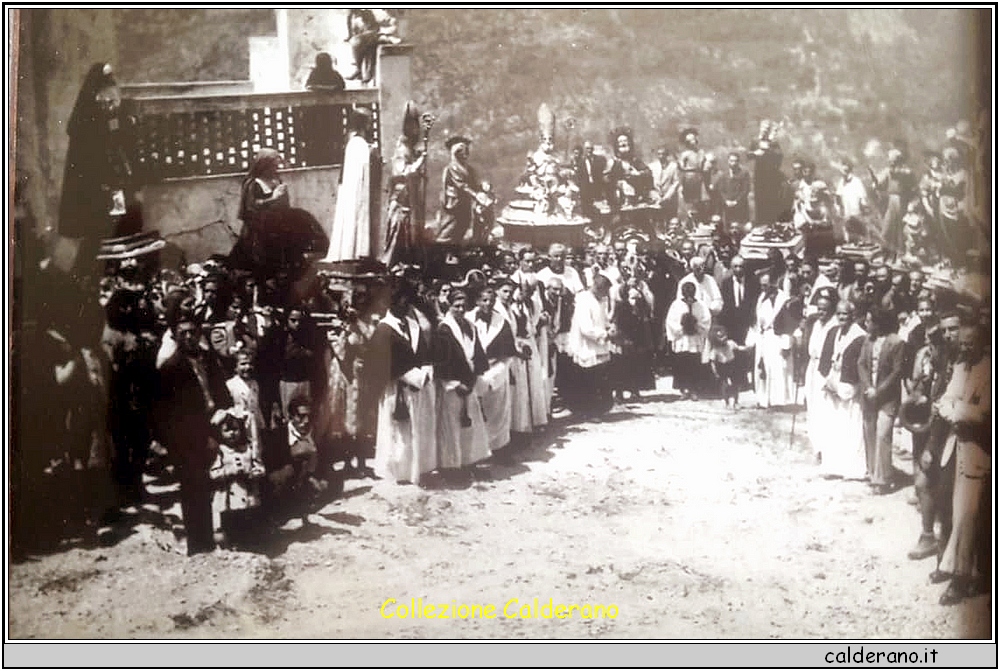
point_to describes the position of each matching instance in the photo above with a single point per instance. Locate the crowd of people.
(270, 375)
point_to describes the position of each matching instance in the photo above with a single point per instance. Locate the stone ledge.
(244, 101)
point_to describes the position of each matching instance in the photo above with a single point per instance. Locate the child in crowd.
(720, 355)
(237, 474)
(244, 389)
(296, 484)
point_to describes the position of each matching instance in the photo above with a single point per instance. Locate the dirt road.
(693, 521)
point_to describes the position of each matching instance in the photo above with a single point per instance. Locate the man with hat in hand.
(927, 378)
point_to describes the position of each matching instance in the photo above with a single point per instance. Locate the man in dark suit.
(880, 370)
(192, 386)
(740, 291)
(732, 188)
(590, 177)
(557, 310)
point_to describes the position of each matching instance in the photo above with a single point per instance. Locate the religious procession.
(418, 340)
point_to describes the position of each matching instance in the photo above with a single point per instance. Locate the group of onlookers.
(255, 377)
(918, 358)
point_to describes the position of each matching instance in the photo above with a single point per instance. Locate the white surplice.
(816, 402)
(407, 449)
(776, 387)
(493, 387)
(840, 437)
(457, 445)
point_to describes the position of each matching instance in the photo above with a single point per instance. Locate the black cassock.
(632, 370)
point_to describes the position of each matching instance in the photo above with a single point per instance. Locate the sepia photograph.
(549, 323)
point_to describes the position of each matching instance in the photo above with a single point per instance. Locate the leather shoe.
(926, 547)
(938, 576)
(957, 590)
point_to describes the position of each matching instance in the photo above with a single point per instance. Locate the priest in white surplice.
(406, 439)
(497, 339)
(772, 332)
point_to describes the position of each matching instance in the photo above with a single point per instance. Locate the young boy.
(720, 354)
(296, 484)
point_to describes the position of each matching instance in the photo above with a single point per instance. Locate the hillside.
(837, 78)
(177, 45)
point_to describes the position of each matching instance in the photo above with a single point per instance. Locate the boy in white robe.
(498, 342)
(406, 438)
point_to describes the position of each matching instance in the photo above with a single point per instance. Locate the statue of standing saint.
(405, 215)
(353, 223)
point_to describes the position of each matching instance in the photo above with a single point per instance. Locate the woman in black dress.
(275, 235)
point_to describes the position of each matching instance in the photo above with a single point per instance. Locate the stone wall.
(311, 31)
(56, 47)
(199, 214)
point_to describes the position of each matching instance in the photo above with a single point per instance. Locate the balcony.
(203, 134)
(194, 150)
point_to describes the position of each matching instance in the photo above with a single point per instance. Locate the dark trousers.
(585, 391)
(688, 371)
(739, 214)
(929, 479)
(742, 368)
(131, 438)
(944, 494)
(196, 508)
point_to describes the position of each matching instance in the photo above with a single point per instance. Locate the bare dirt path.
(695, 521)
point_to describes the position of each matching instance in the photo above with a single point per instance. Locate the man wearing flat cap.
(462, 194)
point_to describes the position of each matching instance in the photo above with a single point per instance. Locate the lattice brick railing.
(196, 136)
